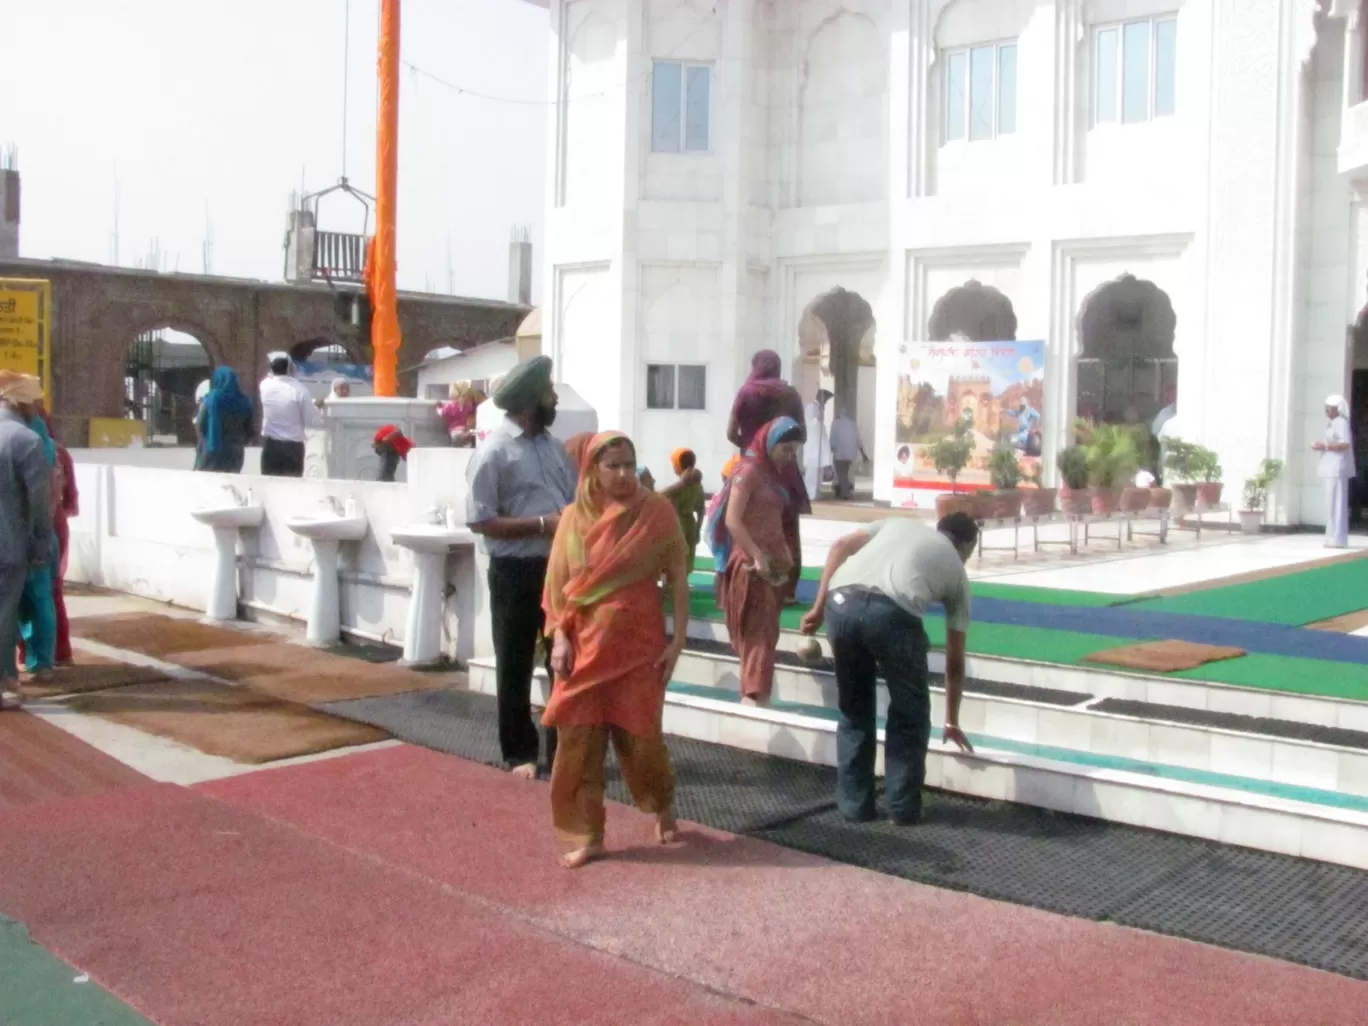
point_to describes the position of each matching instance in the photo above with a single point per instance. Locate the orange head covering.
(603, 545)
(730, 468)
(20, 389)
(578, 446)
(677, 459)
(396, 438)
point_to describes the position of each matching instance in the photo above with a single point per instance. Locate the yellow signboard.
(114, 433)
(26, 329)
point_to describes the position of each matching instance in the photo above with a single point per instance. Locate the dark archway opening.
(976, 311)
(163, 371)
(1127, 369)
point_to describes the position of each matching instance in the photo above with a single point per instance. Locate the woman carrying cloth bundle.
(612, 660)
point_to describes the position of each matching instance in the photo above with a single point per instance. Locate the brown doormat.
(306, 675)
(90, 673)
(223, 720)
(159, 636)
(1163, 656)
(1346, 624)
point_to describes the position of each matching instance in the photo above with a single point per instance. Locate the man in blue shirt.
(1027, 419)
(520, 480)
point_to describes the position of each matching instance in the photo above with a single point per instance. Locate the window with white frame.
(671, 386)
(1135, 70)
(681, 97)
(980, 92)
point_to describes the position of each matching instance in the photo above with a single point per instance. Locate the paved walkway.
(405, 886)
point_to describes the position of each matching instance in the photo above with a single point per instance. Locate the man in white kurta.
(1336, 467)
(817, 449)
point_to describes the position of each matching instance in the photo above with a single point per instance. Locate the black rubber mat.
(1069, 864)
(721, 787)
(1293, 909)
(991, 688)
(1289, 729)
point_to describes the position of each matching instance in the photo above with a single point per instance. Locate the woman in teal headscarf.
(224, 423)
(38, 607)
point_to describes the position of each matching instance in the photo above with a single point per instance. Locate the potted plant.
(1038, 501)
(1207, 468)
(1180, 459)
(1005, 471)
(1256, 491)
(1073, 471)
(950, 456)
(1112, 459)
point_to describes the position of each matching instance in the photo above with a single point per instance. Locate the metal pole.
(385, 336)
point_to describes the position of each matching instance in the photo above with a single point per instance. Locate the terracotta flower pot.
(1185, 497)
(1073, 500)
(1007, 504)
(947, 504)
(1160, 498)
(985, 505)
(1133, 500)
(1038, 502)
(1209, 493)
(1104, 500)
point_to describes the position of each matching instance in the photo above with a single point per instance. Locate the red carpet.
(40, 762)
(831, 943)
(195, 912)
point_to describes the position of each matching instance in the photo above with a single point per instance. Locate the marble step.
(1232, 807)
(1121, 685)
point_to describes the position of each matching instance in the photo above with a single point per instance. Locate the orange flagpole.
(385, 317)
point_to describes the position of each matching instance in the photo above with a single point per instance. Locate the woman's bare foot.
(667, 827)
(525, 771)
(580, 856)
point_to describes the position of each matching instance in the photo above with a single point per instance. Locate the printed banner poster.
(998, 387)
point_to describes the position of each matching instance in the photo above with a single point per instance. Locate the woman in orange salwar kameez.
(752, 550)
(612, 659)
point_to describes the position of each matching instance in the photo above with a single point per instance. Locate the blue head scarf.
(225, 398)
(761, 452)
(39, 427)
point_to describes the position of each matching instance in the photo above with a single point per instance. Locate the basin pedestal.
(221, 603)
(325, 613)
(430, 545)
(423, 622)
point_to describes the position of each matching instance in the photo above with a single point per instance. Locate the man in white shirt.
(877, 585)
(287, 411)
(1336, 467)
(846, 448)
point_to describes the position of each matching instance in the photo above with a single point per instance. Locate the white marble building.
(719, 164)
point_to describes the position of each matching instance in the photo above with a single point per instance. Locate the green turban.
(524, 386)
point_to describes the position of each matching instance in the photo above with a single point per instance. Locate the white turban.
(1337, 401)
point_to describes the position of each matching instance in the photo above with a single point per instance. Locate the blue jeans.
(872, 636)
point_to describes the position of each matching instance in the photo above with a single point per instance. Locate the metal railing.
(339, 256)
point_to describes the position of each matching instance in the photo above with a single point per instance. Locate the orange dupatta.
(601, 591)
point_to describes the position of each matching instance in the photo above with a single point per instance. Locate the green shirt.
(914, 565)
(687, 502)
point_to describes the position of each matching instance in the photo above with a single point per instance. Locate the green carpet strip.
(38, 989)
(1291, 599)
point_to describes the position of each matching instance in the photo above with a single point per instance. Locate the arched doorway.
(163, 368)
(836, 343)
(1127, 370)
(976, 311)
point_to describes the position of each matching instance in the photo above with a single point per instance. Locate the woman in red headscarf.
(763, 398)
(610, 654)
(392, 446)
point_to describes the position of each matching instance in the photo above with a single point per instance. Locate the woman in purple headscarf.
(763, 398)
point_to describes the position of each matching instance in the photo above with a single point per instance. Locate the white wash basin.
(329, 528)
(432, 539)
(231, 516)
(430, 545)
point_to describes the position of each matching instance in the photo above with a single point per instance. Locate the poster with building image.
(997, 388)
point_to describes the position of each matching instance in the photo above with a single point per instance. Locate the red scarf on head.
(391, 434)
